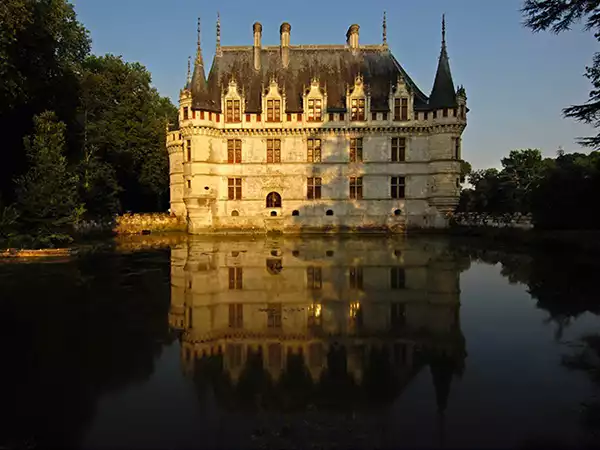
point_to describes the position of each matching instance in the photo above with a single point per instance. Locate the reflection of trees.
(336, 388)
(74, 331)
(586, 358)
(561, 282)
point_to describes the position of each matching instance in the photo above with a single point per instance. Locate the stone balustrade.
(516, 220)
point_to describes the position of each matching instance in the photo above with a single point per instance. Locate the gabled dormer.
(401, 101)
(357, 100)
(233, 103)
(273, 102)
(314, 101)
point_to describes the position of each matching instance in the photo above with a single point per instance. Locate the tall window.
(234, 190)
(188, 149)
(313, 150)
(356, 187)
(457, 148)
(398, 149)
(356, 278)
(234, 151)
(274, 315)
(235, 277)
(236, 315)
(314, 110)
(273, 150)
(314, 278)
(398, 186)
(356, 150)
(401, 109)
(358, 109)
(273, 110)
(233, 111)
(397, 278)
(313, 188)
(404, 110)
(186, 113)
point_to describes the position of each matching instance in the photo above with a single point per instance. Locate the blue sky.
(517, 82)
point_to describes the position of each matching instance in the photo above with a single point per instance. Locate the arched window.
(295, 212)
(273, 213)
(329, 212)
(234, 213)
(273, 200)
(397, 212)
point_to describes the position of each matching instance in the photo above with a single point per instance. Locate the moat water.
(301, 343)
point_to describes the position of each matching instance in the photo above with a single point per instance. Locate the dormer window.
(233, 111)
(358, 109)
(401, 109)
(315, 110)
(273, 110)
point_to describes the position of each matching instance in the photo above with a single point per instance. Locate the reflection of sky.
(513, 388)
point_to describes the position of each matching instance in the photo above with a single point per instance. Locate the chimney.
(257, 27)
(284, 32)
(352, 36)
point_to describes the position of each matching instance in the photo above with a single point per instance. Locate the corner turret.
(442, 94)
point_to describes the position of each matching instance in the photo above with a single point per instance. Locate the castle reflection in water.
(368, 314)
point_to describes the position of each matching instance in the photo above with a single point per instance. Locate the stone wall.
(517, 220)
(145, 223)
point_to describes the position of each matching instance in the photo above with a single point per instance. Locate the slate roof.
(443, 94)
(336, 67)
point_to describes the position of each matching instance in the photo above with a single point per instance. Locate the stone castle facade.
(300, 138)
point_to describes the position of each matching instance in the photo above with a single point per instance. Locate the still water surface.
(299, 343)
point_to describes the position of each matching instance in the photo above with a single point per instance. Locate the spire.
(219, 52)
(443, 94)
(199, 88)
(384, 30)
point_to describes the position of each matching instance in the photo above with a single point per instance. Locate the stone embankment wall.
(148, 223)
(517, 220)
(134, 224)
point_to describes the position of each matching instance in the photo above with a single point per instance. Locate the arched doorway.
(273, 200)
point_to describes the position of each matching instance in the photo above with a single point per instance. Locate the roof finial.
(444, 30)
(384, 30)
(198, 50)
(218, 34)
(189, 73)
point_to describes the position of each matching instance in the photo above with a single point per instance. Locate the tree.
(124, 118)
(42, 47)
(559, 16)
(47, 193)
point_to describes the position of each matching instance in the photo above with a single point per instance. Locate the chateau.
(301, 138)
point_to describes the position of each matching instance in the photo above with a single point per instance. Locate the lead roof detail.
(335, 66)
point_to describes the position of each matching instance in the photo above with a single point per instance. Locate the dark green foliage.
(98, 187)
(42, 47)
(111, 133)
(508, 190)
(568, 192)
(47, 194)
(124, 121)
(559, 192)
(559, 16)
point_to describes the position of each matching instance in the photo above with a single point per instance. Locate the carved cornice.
(451, 128)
